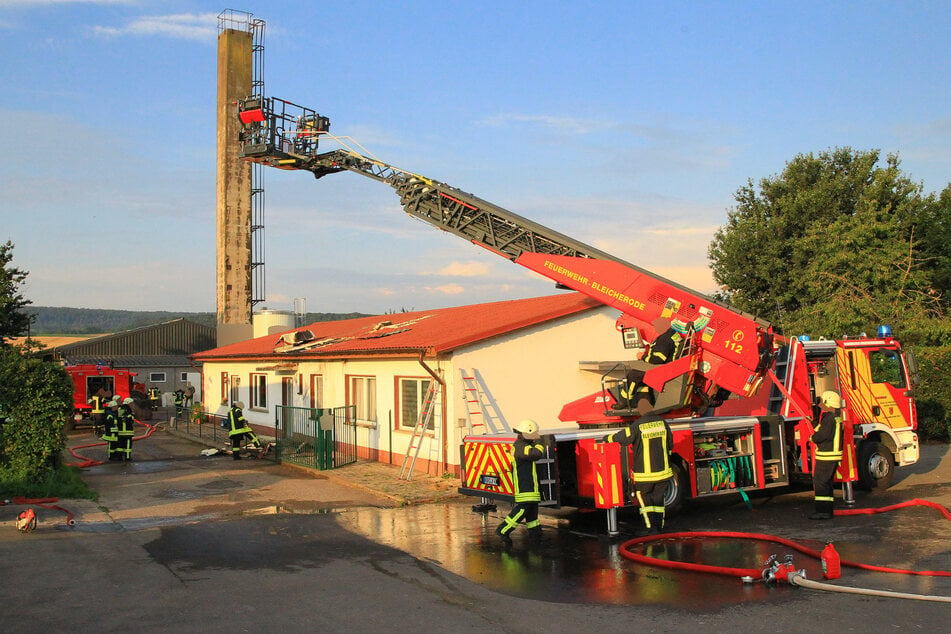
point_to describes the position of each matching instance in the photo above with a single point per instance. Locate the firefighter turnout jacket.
(827, 436)
(651, 440)
(525, 477)
(237, 422)
(663, 348)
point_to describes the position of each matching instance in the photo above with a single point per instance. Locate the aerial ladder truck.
(729, 434)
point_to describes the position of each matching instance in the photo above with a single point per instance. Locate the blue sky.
(626, 125)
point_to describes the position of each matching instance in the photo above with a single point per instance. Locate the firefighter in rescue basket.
(651, 441)
(526, 452)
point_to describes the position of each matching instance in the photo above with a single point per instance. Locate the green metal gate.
(317, 438)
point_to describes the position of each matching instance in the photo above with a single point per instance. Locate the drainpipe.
(442, 408)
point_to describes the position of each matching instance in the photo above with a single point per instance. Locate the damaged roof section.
(438, 330)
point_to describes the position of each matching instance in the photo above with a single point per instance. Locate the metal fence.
(201, 424)
(317, 438)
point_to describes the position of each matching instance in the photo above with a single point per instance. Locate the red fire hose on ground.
(88, 462)
(26, 520)
(47, 503)
(786, 572)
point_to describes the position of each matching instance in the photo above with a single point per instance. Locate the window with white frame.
(411, 397)
(259, 391)
(183, 376)
(316, 390)
(363, 397)
(235, 383)
(156, 377)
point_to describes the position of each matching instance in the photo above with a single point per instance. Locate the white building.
(530, 354)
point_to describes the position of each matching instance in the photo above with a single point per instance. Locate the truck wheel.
(677, 489)
(876, 466)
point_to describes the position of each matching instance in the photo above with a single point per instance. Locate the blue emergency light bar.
(884, 331)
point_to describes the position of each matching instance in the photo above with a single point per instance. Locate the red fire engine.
(95, 379)
(738, 398)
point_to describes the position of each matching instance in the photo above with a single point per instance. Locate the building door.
(287, 399)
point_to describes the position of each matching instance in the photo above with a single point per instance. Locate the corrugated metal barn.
(158, 353)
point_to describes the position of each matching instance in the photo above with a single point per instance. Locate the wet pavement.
(198, 517)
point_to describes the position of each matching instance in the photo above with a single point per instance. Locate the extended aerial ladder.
(732, 350)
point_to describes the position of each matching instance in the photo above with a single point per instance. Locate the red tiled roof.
(439, 330)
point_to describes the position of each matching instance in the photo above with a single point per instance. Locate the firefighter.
(155, 397)
(111, 433)
(827, 438)
(98, 403)
(526, 452)
(125, 429)
(651, 441)
(239, 430)
(634, 392)
(179, 401)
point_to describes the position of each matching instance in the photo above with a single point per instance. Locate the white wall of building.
(531, 374)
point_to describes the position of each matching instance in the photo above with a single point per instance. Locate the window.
(183, 376)
(316, 391)
(156, 377)
(886, 367)
(363, 396)
(412, 395)
(235, 384)
(259, 391)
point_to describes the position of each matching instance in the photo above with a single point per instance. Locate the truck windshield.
(886, 367)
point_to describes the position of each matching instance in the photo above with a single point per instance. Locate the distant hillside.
(84, 321)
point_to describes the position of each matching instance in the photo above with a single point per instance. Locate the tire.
(876, 466)
(677, 489)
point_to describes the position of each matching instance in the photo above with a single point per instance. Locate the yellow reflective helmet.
(528, 428)
(831, 399)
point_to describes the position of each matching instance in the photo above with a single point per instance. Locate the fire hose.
(26, 520)
(46, 503)
(775, 571)
(89, 462)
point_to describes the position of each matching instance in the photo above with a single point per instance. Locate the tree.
(36, 398)
(13, 322)
(35, 405)
(838, 244)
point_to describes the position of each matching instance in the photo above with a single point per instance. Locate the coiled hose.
(796, 578)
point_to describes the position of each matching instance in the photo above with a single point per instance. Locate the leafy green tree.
(13, 321)
(36, 396)
(35, 405)
(838, 244)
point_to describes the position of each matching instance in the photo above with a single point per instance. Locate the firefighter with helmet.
(239, 430)
(634, 392)
(125, 429)
(651, 441)
(526, 452)
(827, 437)
(111, 433)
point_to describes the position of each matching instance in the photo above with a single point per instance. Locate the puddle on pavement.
(572, 564)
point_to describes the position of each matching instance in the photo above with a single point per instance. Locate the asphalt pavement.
(182, 542)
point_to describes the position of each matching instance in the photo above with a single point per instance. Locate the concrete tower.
(235, 71)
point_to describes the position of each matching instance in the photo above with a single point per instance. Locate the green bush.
(36, 402)
(933, 395)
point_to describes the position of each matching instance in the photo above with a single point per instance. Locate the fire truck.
(92, 379)
(740, 399)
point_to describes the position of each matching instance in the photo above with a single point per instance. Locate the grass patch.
(62, 482)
